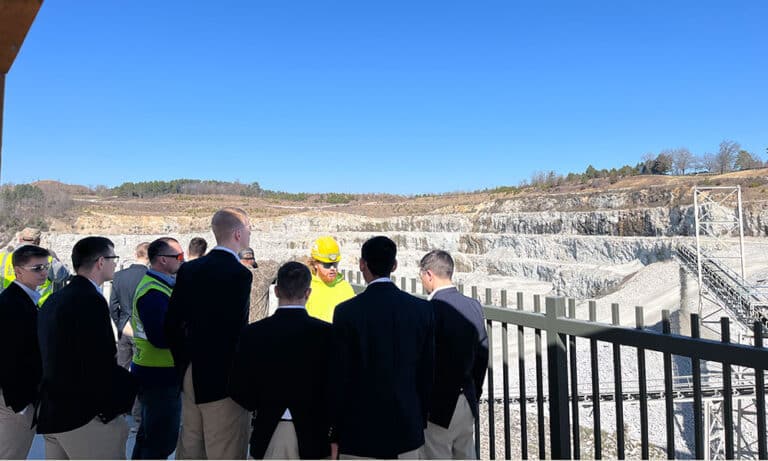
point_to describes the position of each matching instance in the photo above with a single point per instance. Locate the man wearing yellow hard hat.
(328, 286)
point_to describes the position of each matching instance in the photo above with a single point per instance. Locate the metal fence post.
(557, 371)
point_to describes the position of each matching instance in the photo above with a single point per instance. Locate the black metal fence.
(559, 400)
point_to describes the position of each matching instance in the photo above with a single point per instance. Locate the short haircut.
(197, 246)
(439, 262)
(293, 279)
(160, 247)
(88, 250)
(226, 221)
(380, 254)
(24, 254)
(141, 250)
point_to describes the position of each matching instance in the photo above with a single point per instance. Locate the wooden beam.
(16, 17)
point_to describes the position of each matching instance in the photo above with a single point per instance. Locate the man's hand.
(334, 451)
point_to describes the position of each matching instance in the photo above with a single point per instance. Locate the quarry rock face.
(582, 245)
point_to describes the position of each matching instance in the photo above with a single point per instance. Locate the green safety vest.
(45, 290)
(145, 354)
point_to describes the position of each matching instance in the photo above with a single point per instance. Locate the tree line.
(149, 189)
(680, 161)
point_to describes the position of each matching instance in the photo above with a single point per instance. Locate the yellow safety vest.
(325, 297)
(146, 354)
(45, 290)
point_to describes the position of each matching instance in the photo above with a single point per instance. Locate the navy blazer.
(206, 313)
(81, 377)
(121, 298)
(461, 353)
(20, 367)
(282, 362)
(381, 372)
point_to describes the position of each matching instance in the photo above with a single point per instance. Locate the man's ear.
(362, 265)
(277, 292)
(307, 293)
(394, 266)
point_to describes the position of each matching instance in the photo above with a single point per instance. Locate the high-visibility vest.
(6, 263)
(146, 354)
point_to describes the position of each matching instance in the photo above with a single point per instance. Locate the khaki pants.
(214, 430)
(16, 431)
(455, 442)
(284, 444)
(413, 454)
(95, 440)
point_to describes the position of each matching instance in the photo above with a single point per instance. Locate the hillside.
(96, 213)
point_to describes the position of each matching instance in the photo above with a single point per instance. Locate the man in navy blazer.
(84, 392)
(207, 311)
(20, 368)
(382, 366)
(280, 373)
(461, 360)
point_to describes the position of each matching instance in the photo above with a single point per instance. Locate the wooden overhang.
(16, 17)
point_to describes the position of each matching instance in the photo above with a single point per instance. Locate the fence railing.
(559, 402)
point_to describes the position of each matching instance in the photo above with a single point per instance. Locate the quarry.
(612, 245)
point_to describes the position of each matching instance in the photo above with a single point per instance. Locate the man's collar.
(291, 306)
(444, 287)
(34, 295)
(380, 280)
(167, 278)
(98, 288)
(228, 250)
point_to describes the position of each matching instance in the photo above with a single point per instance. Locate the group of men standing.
(394, 376)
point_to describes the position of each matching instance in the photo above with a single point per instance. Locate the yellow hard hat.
(326, 249)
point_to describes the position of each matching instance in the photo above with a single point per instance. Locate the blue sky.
(362, 96)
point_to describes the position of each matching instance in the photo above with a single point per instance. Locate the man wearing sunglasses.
(56, 275)
(328, 286)
(19, 352)
(84, 391)
(152, 361)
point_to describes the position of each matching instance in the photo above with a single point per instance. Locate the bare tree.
(726, 155)
(708, 162)
(682, 159)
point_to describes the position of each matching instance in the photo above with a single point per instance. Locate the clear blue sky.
(387, 96)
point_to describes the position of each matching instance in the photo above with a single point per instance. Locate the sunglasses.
(37, 268)
(178, 257)
(329, 265)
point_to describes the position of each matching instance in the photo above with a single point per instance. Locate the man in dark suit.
(84, 391)
(121, 302)
(461, 361)
(207, 311)
(280, 372)
(382, 364)
(20, 368)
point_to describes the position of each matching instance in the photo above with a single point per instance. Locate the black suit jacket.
(381, 372)
(121, 299)
(282, 362)
(461, 354)
(206, 313)
(20, 368)
(81, 377)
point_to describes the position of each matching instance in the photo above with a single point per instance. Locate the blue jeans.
(160, 420)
